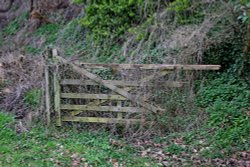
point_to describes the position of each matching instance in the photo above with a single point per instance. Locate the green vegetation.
(210, 118)
(33, 97)
(111, 18)
(14, 26)
(184, 13)
(48, 31)
(32, 50)
(226, 100)
(48, 147)
(174, 149)
(245, 16)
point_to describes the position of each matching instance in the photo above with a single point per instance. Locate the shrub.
(231, 123)
(111, 19)
(183, 12)
(226, 100)
(224, 89)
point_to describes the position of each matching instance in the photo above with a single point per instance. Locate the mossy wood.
(149, 66)
(111, 86)
(101, 120)
(92, 96)
(121, 83)
(121, 98)
(102, 108)
(47, 91)
(57, 100)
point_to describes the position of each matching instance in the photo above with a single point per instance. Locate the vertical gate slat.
(99, 103)
(119, 115)
(57, 100)
(47, 93)
(57, 90)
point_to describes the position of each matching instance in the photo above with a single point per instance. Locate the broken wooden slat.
(101, 108)
(121, 83)
(92, 96)
(149, 66)
(102, 120)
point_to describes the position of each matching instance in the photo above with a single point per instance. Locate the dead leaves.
(78, 161)
(189, 156)
(116, 143)
(240, 159)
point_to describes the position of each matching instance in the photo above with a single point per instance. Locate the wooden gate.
(76, 93)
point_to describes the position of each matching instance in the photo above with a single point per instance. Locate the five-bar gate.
(107, 93)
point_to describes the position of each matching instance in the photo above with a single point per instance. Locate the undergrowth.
(184, 12)
(64, 147)
(33, 97)
(13, 27)
(138, 32)
(226, 100)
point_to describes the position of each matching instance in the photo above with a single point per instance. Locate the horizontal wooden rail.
(101, 120)
(122, 83)
(101, 108)
(85, 73)
(149, 66)
(92, 96)
(119, 91)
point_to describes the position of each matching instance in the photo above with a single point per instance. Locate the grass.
(58, 147)
(32, 50)
(33, 97)
(14, 26)
(50, 31)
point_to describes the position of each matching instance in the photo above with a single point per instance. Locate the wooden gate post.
(52, 87)
(121, 92)
(48, 88)
(57, 89)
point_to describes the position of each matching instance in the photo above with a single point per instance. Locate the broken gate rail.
(119, 93)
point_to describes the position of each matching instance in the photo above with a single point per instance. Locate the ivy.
(226, 100)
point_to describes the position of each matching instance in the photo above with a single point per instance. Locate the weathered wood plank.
(57, 98)
(146, 79)
(116, 89)
(149, 66)
(119, 114)
(92, 96)
(47, 94)
(101, 108)
(122, 83)
(102, 120)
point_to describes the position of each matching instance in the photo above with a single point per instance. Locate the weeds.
(33, 97)
(50, 31)
(15, 25)
(32, 50)
(226, 100)
(48, 147)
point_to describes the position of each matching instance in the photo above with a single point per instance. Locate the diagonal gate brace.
(144, 80)
(114, 88)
